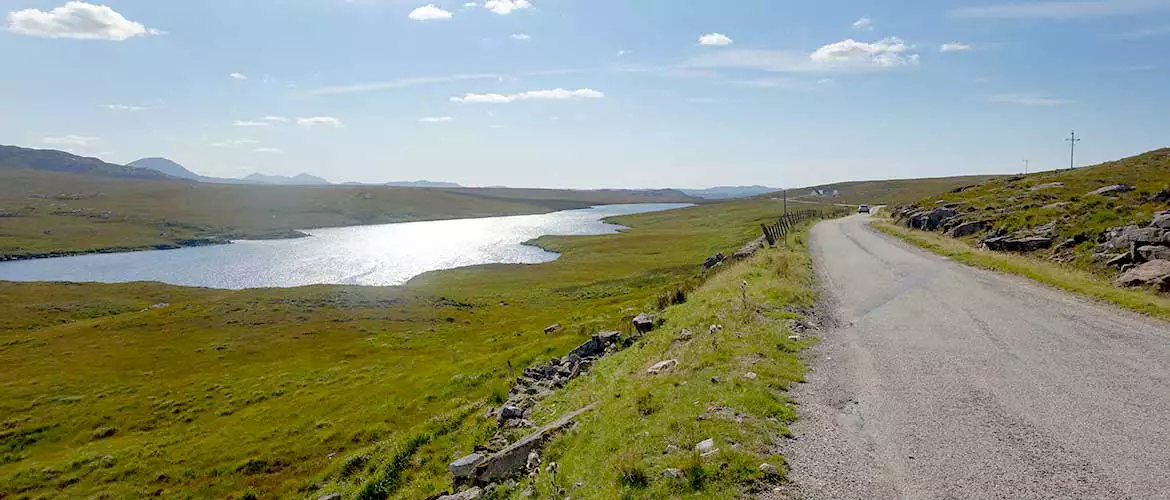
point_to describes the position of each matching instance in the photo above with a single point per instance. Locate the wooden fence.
(778, 232)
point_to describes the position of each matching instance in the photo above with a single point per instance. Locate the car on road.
(864, 209)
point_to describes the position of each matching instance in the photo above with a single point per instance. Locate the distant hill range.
(60, 161)
(297, 180)
(423, 184)
(728, 192)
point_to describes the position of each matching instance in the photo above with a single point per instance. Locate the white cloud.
(716, 39)
(239, 76)
(1142, 33)
(470, 5)
(233, 142)
(77, 20)
(70, 140)
(123, 107)
(531, 95)
(521, 36)
(436, 119)
(772, 83)
(320, 122)
(955, 47)
(863, 24)
(268, 150)
(886, 53)
(248, 123)
(827, 82)
(624, 52)
(1028, 100)
(1061, 9)
(399, 83)
(277, 119)
(505, 7)
(429, 13)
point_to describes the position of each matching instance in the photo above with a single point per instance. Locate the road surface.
(944, 381)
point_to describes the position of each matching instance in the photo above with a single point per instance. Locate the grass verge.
(1058, 275)
(729, 386)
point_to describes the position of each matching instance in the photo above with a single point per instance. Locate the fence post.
(767, 235)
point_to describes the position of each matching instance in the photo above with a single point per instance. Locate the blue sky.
(601, 93)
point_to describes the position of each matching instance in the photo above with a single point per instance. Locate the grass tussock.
(1062, 276)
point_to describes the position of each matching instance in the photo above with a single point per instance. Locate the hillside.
(48, 160)
(113, 208)
(165, 166)
(727, 192)
(1085, 217)
(283, 180)
(887, 192)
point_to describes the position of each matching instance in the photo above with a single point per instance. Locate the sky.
(589, 94)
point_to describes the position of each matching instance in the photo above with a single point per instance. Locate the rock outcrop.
(1152, 273)
(1113, 190)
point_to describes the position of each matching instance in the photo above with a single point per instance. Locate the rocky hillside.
(1112, 218)
(886, 192)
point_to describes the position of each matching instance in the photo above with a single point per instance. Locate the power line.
(1072, 152)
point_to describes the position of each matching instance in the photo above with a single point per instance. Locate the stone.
(609, 338)
(715, 328)
(685, 336)
(931, 220)
(1151, 252)
(1161, 221)
(749, 249)
(464, 468)
(1113, 190)
(511, 461)
(1058, 205)
(968, 228)
(473, 493)
(714, 260)
(751, 376)
(1049, 185)
(794, 338)
(1154, 272)
(769, 470)
(716, 380)
(662, 366)
(533, 462)
(675, 474)
(330, 496)
(1016, 244)
(590, 348)
(644, 323)
(705, 445)
(556, 327)
(1121, 238)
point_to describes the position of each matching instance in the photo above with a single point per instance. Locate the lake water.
(389, 254)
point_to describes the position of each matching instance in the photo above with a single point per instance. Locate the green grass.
(1062, 276)
(887, 192)
(277, 391)
(645, 424)
(66, 213)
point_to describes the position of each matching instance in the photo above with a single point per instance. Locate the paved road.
(944, 381)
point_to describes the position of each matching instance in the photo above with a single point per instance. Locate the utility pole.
(1026, 166)
(1072, 151)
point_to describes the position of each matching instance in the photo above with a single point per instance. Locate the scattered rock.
(685, 336)
(794, 338)
(1121, 238)
(675, 474)
(553, 328)
(705, 445)
(1058, 205)
(533, 462)
(749, 249)
(714, 260)
(1113, 190)
(1154, 272)
(1151, 252)
(330, 496)
(716, 380)
(715, 328)
(512, 460)
(644, 323)
(1016, 244)
(751, 376)
(662, 366)
(968, 228)
(508, 412)
(1050, 185)
(770, 470)
(1161, 221)
(471, 494)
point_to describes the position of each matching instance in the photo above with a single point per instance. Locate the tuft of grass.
(1062, 276)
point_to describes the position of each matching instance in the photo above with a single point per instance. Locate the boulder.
(674, 474)
(1120, 260)
(968, 228)
(1150, 252)
(662, 366)
(705, 445)
(770, 470)
(509, 412)
(470, 494)
(553, 328)
(609, 338)
(1161, 221)
(1016, 244)
(1113, 190)
(749, 249)
(751, 376)
(464, 468)
(1162, 196)
(685, 336)
(330, 496)
(1154, 272)
(513, 459)
(592, 347)
(1050, 185)
(935, 219)
(714, 260)
(644, 323)
(1121, 238)
(1058, 205)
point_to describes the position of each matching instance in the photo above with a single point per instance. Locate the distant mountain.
(423, 184)
(727, 192)
(60, 161)
(165, 166)
(298, 180)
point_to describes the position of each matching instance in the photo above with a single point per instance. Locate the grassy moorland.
(888, 192)
(1064, 197)
(45, 212)
(279, 392)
